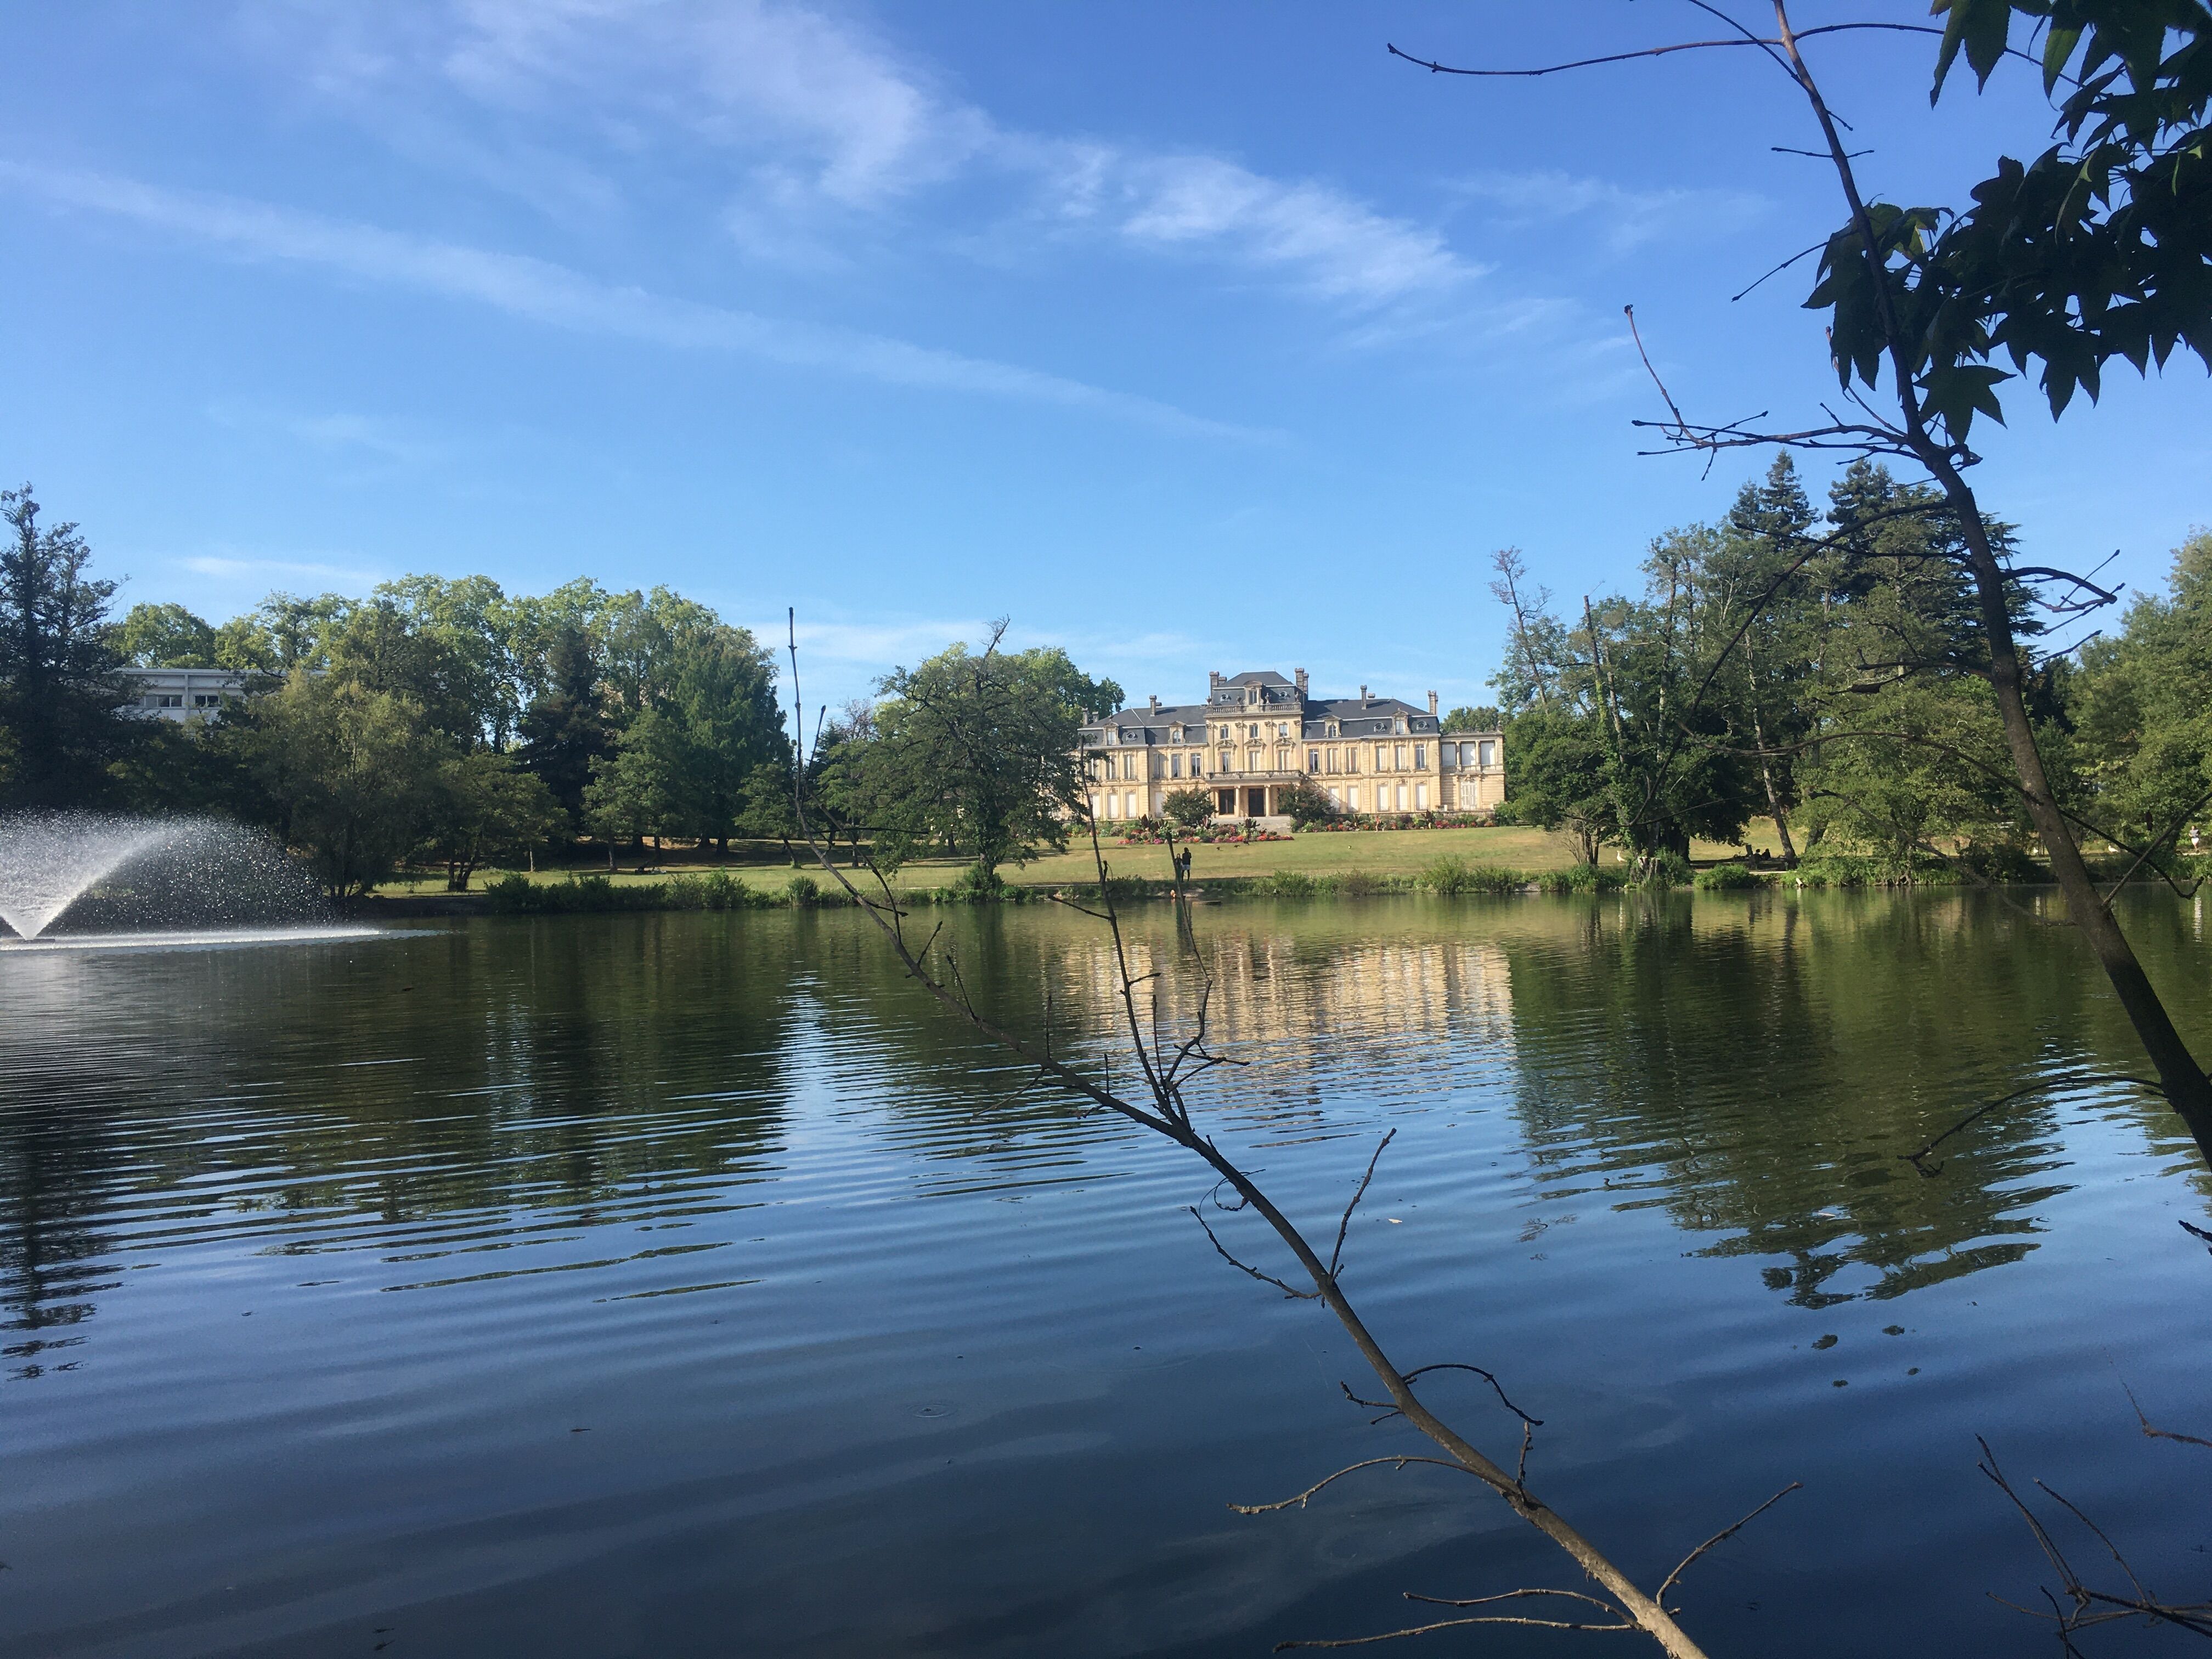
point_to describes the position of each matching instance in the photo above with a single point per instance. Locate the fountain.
(80, 879)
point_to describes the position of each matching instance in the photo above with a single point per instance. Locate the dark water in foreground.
(682, 1285)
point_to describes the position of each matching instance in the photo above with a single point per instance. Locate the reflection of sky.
(393, 1220)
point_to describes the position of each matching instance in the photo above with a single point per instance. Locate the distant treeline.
(445, 721)
(1828, 671)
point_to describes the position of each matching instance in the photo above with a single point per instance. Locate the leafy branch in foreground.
(1166, 1068)
(2101, 248)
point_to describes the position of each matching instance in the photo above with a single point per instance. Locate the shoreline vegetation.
(757, 887)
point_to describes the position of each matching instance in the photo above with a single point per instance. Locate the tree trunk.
(2186, 1087)
(1765, 763)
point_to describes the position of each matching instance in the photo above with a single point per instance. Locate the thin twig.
(1724, 1534)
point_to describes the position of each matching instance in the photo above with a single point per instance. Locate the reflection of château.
(1257, 733)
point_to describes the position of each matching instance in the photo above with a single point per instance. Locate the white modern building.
(179, 694)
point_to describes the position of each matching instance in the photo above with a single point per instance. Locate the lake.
(654, 1284)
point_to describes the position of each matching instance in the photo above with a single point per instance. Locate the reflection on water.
(641, 1284)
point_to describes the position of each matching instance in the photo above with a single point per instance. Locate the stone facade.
(1257, 733)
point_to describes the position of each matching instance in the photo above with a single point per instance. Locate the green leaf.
(1980, 25)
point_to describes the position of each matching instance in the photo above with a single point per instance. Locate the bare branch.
(1336, 1255)
(1299, 1500)
(1246, 1267)
(1724, 1534)
(2069, 1080)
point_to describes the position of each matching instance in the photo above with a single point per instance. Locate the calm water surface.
(683, 1284)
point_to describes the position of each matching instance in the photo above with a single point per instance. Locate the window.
(1129, 805)
(1490, 754)
(1335, 761)
(1175, 766)
(206, 699)
(1398, 760)
(1335, 796)
(1351, 761)
(1282, 760)
(1421, 798)
(166, 700)
(1094, 806)
(1420, 757)
(1282, 730)
(1313, 760)
(1224, 761)
(1381, 758)
(1401, 798)
(1352, 798)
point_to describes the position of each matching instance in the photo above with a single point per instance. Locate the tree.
(60, 702)
(565, 730)
(346, 773)
(1188, 807)
(1304, 802)
(722, 695)
(978, 752)
(2143, 705)
(1557, 777)
(1482, 718)
(166, 636)
(639, 789)
(484, 805)
(2100, 248)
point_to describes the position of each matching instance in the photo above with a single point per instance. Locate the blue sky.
(1189, 337)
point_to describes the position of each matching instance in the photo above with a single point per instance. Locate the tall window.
(1420, 757)
(1351, 761)
(1398, 759)
(1175, 766)
(1224, 760)
(1313, 760)
(1352, 797)
(1421, 798)
(1490, 754)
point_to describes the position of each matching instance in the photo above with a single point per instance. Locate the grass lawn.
(1383, 852)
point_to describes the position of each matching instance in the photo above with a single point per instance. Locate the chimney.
(1363, 694)
(1433, 704)
(1213, 681)
(1300, 677)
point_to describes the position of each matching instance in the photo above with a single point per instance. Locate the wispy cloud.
(337, 433)
(555, 296)
(818, 129)
(1625, 218)
(226, 568)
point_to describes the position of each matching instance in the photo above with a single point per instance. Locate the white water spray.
(136, 872)
(48, 860)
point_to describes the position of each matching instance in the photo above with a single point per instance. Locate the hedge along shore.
(1449, 877)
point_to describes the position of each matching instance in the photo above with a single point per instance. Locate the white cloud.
(554, 294)
(336, 434)
(231, 568)
(1332, 245)
(814, 129)
(1626, 218)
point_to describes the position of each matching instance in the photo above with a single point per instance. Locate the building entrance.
(1255, 803)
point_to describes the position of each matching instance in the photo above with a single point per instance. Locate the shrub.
(1188, 807)
(1726, 878)
(1452, 874)
(1286, 884)
(977, 885)
(803, 891)
(1668, 869)
(1585, 879)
